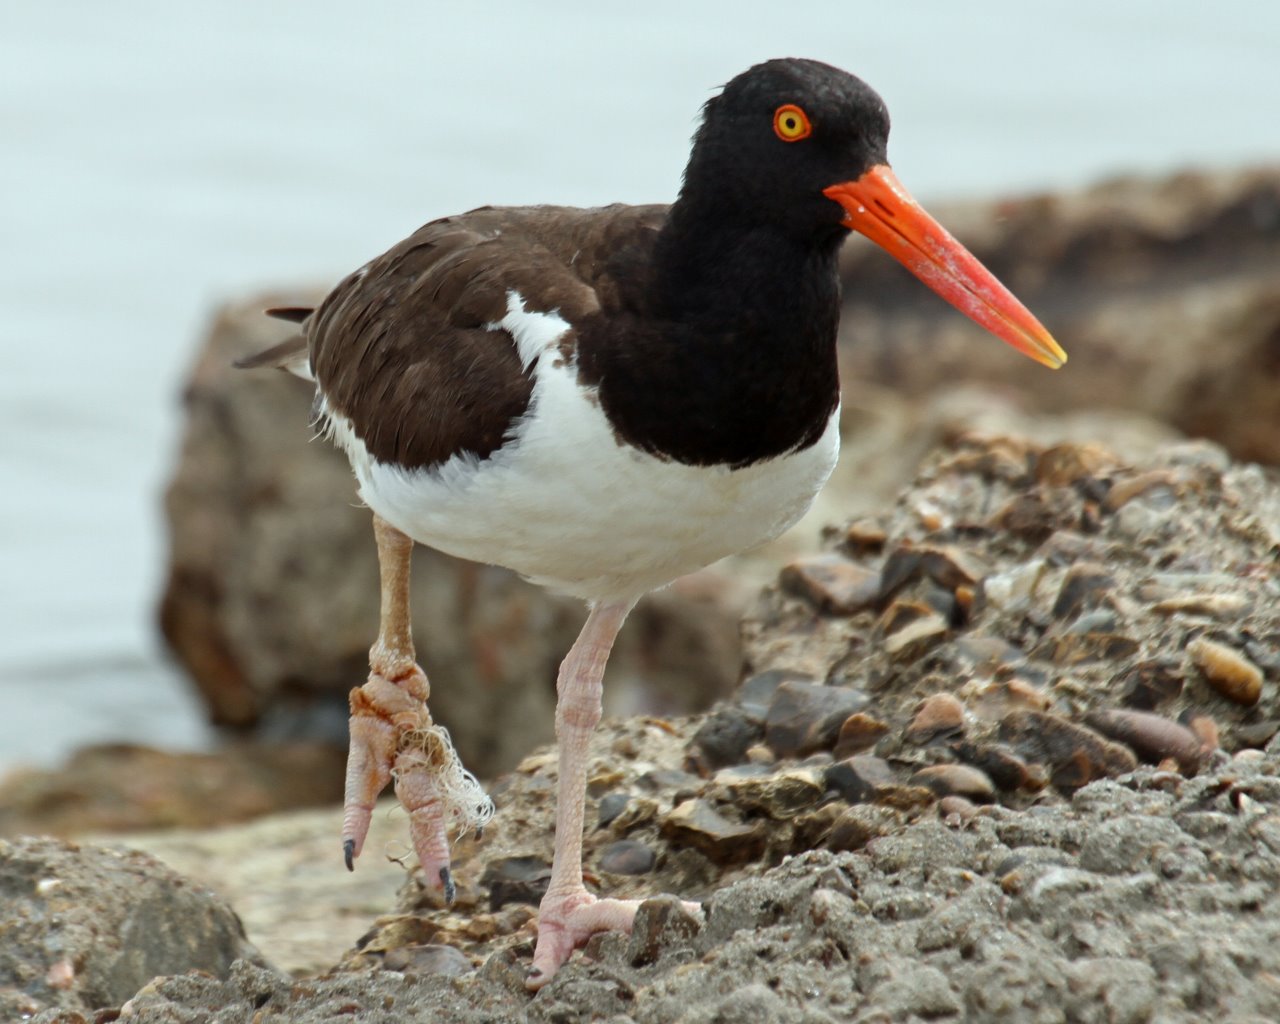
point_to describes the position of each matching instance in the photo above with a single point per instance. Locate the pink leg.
(393, 735)
(569, 915)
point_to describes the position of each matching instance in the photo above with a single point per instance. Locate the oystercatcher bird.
(604, 400)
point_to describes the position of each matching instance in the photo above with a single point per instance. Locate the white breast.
(568, 505)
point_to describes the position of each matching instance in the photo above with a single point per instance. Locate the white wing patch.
(533, 333)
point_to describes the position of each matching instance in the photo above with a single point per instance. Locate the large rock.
(284, 876)
(1165, 294)
(86, 927)
(120, 787)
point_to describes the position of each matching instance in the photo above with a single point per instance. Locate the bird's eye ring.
(791, 124)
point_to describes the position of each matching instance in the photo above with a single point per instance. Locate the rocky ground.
(1006, 750)
(1003, 744)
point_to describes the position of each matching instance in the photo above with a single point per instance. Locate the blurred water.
(156, 158)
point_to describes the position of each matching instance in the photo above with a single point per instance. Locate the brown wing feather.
(405, 348)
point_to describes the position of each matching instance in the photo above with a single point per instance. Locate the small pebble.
(61, 975)
(1124, 491)
(860, 824)
(942, 601)
(1198, 453)
(639, 812)
(1074, 648)
(516, 880)
(1140, 524)
(610, 807)
(957, 808)
(1066, 464)
(1066, 547)
(940, 715)
(779, 796)
(996, 700)
(857, 779)
(826, 905)
(900, 567)
(1205, 729)
(1152, 737)
(757, 693)
(804, 717)
(948, 566)
(698, 824)
(627, 857)
(1033, 516)
(1243, 802)
(956, 780)
(859, 733)
(603, 781)
(997, 457)
(1254, 734)
(832, 583)
(734, 774)
(1152, 682)
(1218, 606)
(1014, 588)
(909, 628)
(906, 797)
(865, 536)
(903, 612)
(761, 755)
(1264, 651)
(660, 779)
(951, 567)
(1097, 620)
(812, 828)
(1227, 671)
(438, 959)
(1084, 586)
(1075, 754)
(724, 739)
(1003, 767)
(987, 651)
(661, 925)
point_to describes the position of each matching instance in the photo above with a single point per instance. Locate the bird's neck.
(715, 269)
(734, 361)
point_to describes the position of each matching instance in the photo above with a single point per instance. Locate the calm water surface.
(158, 158)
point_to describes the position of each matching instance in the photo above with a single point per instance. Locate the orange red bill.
(878, 206)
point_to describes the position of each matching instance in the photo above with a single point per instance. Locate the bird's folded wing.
(411, 348)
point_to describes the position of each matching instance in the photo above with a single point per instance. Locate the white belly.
(567, 505)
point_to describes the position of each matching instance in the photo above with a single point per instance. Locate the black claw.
(349, 853)
(450, 890)
(479, 833)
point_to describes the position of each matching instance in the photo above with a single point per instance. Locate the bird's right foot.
(393, 737)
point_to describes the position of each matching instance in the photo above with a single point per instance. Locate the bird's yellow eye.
(791, 124)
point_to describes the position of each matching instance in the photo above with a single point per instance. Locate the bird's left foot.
(566, 921)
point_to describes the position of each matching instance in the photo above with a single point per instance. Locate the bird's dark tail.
(291, 354)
